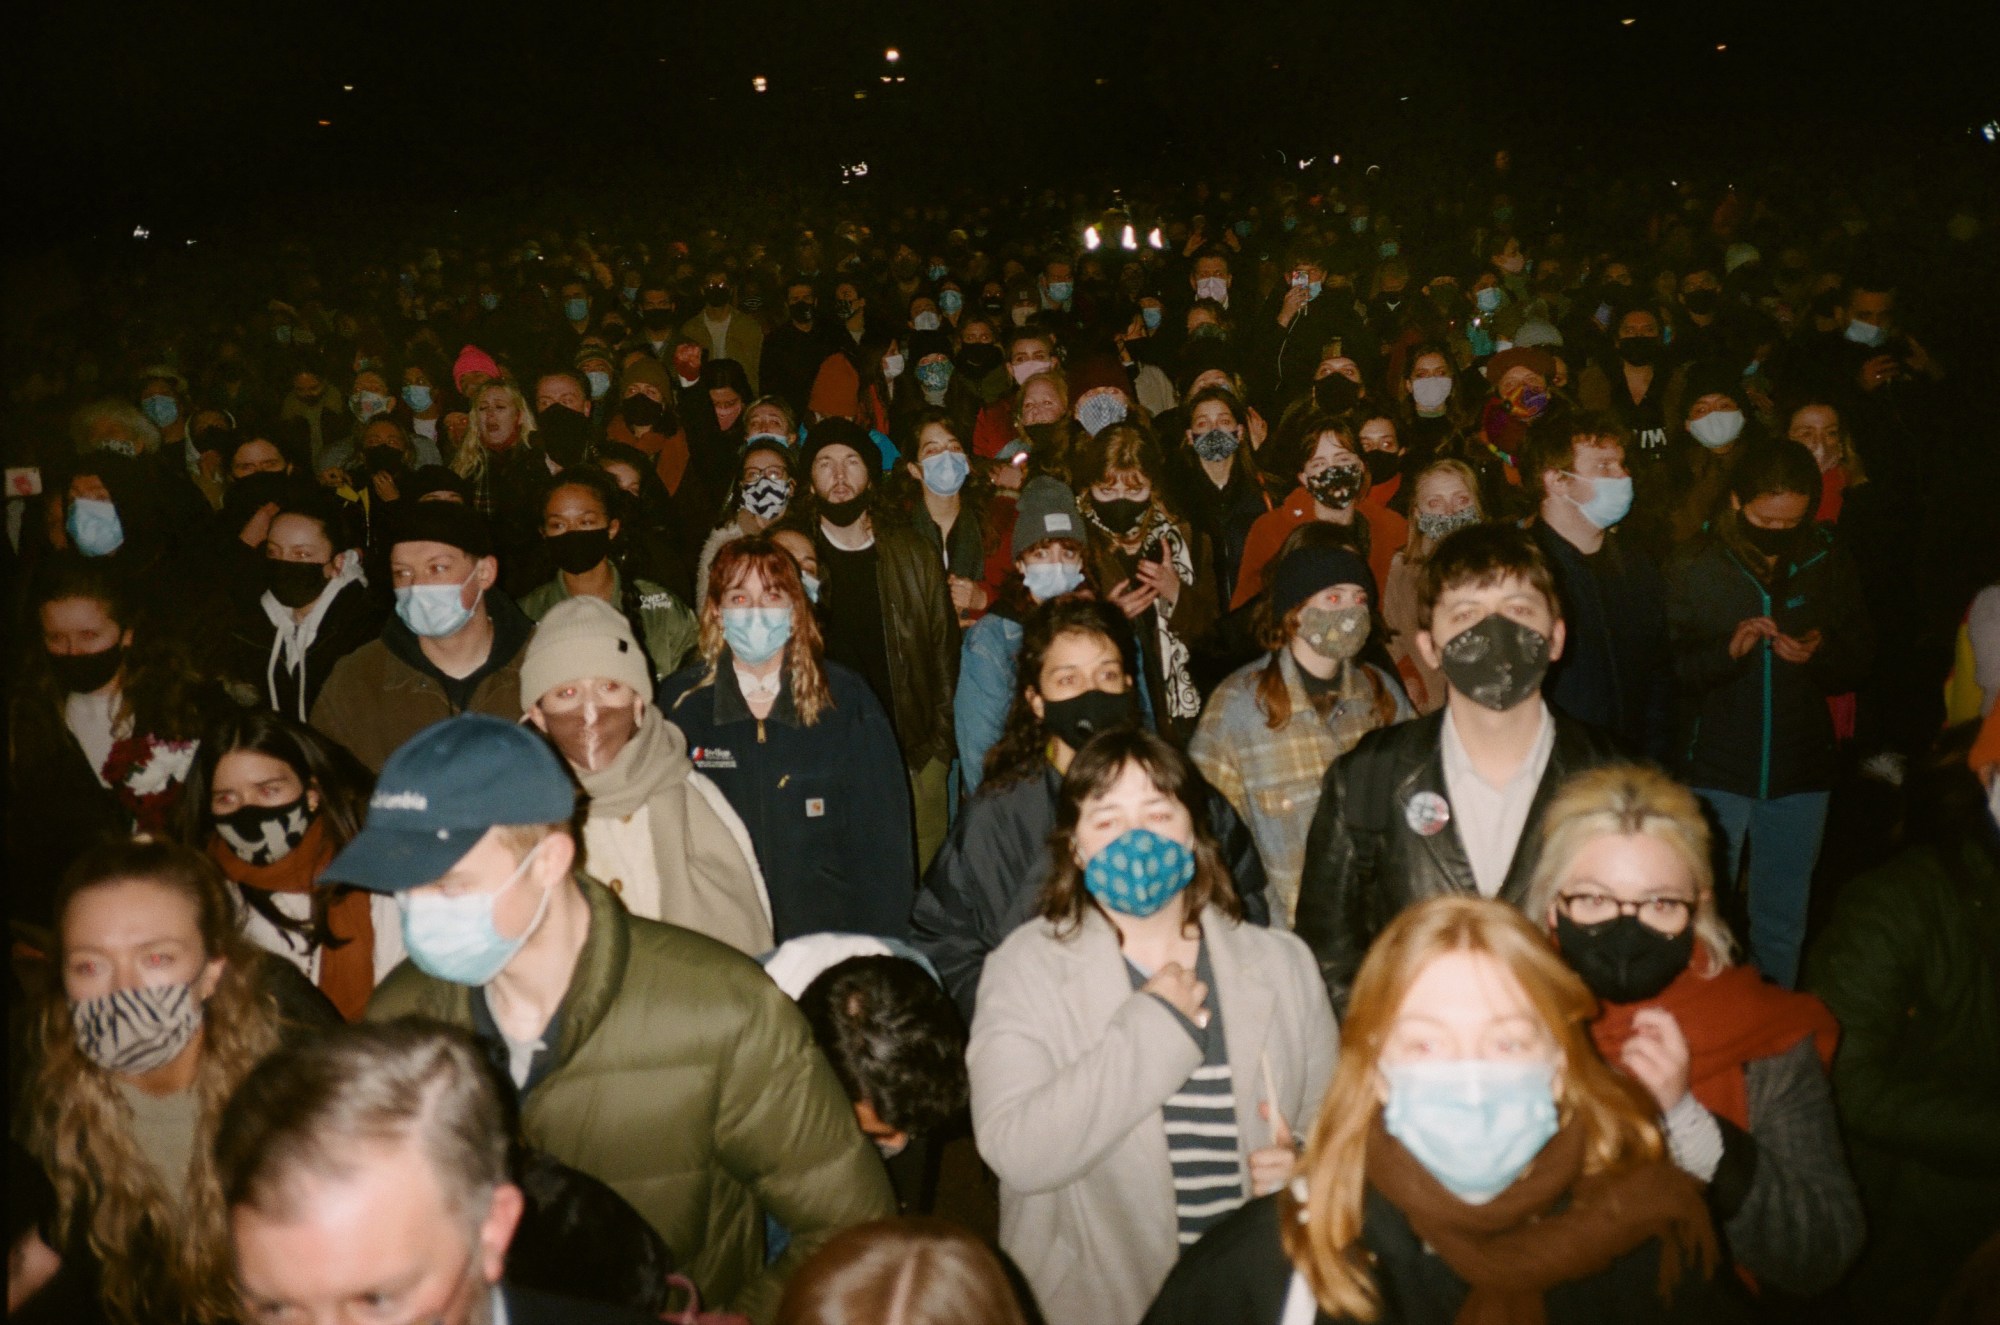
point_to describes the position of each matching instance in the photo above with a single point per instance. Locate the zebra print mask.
(133, 1031)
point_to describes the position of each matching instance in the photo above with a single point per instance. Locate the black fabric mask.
(1700, 302)
(1121, 514)
(1382, 465)
(1075, 720)
(264, 834)
(383, 460)
(977, 360)
(295, 583)
(82, 673)
(802, 311)
(657, 319)
(251, 494)
(841, 514)
(642, 411)
(1337, 487)
(1624, 960)
(1497, 663)
(1770, 542)
(1639, 351)
(578, 550)
(563, 433)
(715, 296)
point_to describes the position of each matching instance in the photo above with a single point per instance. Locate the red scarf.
(1730, 1019)
(346, 973)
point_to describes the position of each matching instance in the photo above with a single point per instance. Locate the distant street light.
(892, 55)
(758, 84)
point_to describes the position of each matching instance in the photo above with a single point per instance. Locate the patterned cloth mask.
(133, 1031)
(1138, 872)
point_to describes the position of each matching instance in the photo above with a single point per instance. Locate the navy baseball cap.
(440, 793)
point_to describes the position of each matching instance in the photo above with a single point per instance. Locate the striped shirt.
(1202, 1142)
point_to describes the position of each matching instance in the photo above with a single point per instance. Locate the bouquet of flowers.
(147, 773)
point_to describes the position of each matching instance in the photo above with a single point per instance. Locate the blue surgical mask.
(1138, 872)
(417, 397)
(1610, 501)
(1288, 223)
(1357, 224)
(434, 610)
(489, 301)
(162, 410)
(1866, 333)
(1313, 288)
(1389, 248)
(1718, 429)
(576, 310)
(1060, 291)
(1051, 579)
(755, 634)
(951, 301)
(631, 293)
(600, 383)
(945, 473)
(1151, 316)
(1474, 1123)
(1490, 298)
(924, 321)
(811, 582)
(937, 272)
(455, 939)
(1243, 229)
(935, 376)
(94, 527)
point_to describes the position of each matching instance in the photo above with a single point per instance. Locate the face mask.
(454, 938)
(1021, 315)
(94, 527)
(656, 319)
(641, 411)
(978, 360)
(1336, 487)
(1529, 402)
(383, 460)
(935, 376)
(1435, 526)
(1430, 393)
(1138, 872)
(801, 311)
(1700, 302)
(264, 834)
(578, 550)
(1212, 287)
(715, 296)
(1490, 298)
(576, 310)
(133, 1031)
(1610, 501)
(1389, 248)
(591, 737)
(766, 498)
(417, 397)
(162, 410)
(1382, 465)
(1060, 291)
(1335, 632)
(755, 634)
(841, 514)
(951, 302)
(937, 272)
(846, 308)
(1150, 317)
(367, 404)
(600, 384)
(1639, 351)
(1475, 1124)
(1021, 372)
(1075, 720)
(434, 610)
(489, 301)
(1717, 429)
(630, 293)
(925, 321)
(1121, 514)
(1769, 542)
(1051, 579)
(1624, 960)
(282, 334)
(294, 583)
(1497, 663)
(1216, 444)
(892, 366)
(87, 673)
(945, 473)
(1100, 412)
(1866, 333)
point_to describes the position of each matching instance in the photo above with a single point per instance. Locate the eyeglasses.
(1668, 915)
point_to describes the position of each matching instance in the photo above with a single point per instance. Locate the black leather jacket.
(1364, 860)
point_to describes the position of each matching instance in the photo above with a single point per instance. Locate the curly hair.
(894, 1037)
(805, 651)
(162, 1259)
(1022, 748)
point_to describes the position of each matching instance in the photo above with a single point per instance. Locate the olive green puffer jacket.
(689, 1083)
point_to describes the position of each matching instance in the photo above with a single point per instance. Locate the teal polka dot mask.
(1138, 872)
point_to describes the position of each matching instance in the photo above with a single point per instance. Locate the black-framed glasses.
(1669, 915)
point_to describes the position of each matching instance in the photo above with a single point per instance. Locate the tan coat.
(1070, 1067)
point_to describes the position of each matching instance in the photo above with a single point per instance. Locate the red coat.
(1387, 532)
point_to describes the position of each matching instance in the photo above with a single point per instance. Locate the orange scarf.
(346, 973)
(1729, 1019)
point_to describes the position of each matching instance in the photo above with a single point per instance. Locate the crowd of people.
(1385, 753)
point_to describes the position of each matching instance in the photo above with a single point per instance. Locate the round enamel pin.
(1426, 813)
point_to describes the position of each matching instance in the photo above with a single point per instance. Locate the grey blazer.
(1070, 1067)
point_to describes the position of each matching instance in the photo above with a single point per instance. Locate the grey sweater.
(1783, 1198)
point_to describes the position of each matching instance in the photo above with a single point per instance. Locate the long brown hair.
(909, 1271)
(803, 652)
(162, 1259)
(1096, 768)
(1322, 1234)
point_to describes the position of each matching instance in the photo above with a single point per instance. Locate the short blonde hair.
(1630, 799)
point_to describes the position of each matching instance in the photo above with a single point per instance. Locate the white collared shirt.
(1489, 819)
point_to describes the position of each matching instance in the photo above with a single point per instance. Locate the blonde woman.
(157, 1011)
(801, 749)
(1446, 498)
(1474, 1159)
(1736, 1065)
(498, 457)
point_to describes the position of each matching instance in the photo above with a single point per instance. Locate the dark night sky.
(176, 114)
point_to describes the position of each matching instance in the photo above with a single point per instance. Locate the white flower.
(170, 764)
